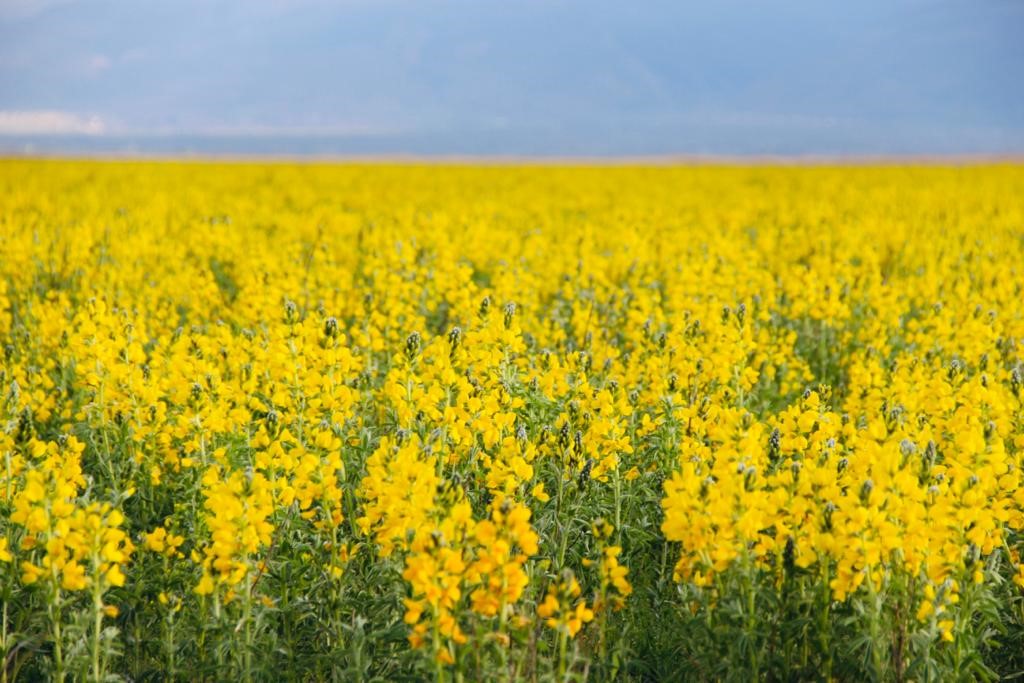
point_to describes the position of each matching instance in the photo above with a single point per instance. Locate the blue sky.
(532, 77)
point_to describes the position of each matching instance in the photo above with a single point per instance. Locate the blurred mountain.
(532, 77)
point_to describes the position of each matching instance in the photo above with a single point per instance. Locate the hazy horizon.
(562, 78)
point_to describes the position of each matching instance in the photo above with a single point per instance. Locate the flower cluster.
(535, 423)
(562, 609)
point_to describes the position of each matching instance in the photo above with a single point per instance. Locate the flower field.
(266, 422)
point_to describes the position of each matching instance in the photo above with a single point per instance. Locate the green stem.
(875, 628)
(502, 622)
(823, 622)
(751, 625)
(53, 610)
(438, 665)
(562, 639)
(97, 613)
(562, 535)
(169, 644)
(247, 655)
(3, 644)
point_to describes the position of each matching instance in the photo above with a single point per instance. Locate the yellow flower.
(561, 610)
(30, 573)
(538, 493)
(205, 585)
(73, 577)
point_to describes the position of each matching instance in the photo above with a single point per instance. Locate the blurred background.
(525, 78)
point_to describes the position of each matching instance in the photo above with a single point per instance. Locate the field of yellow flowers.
(370, 422)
